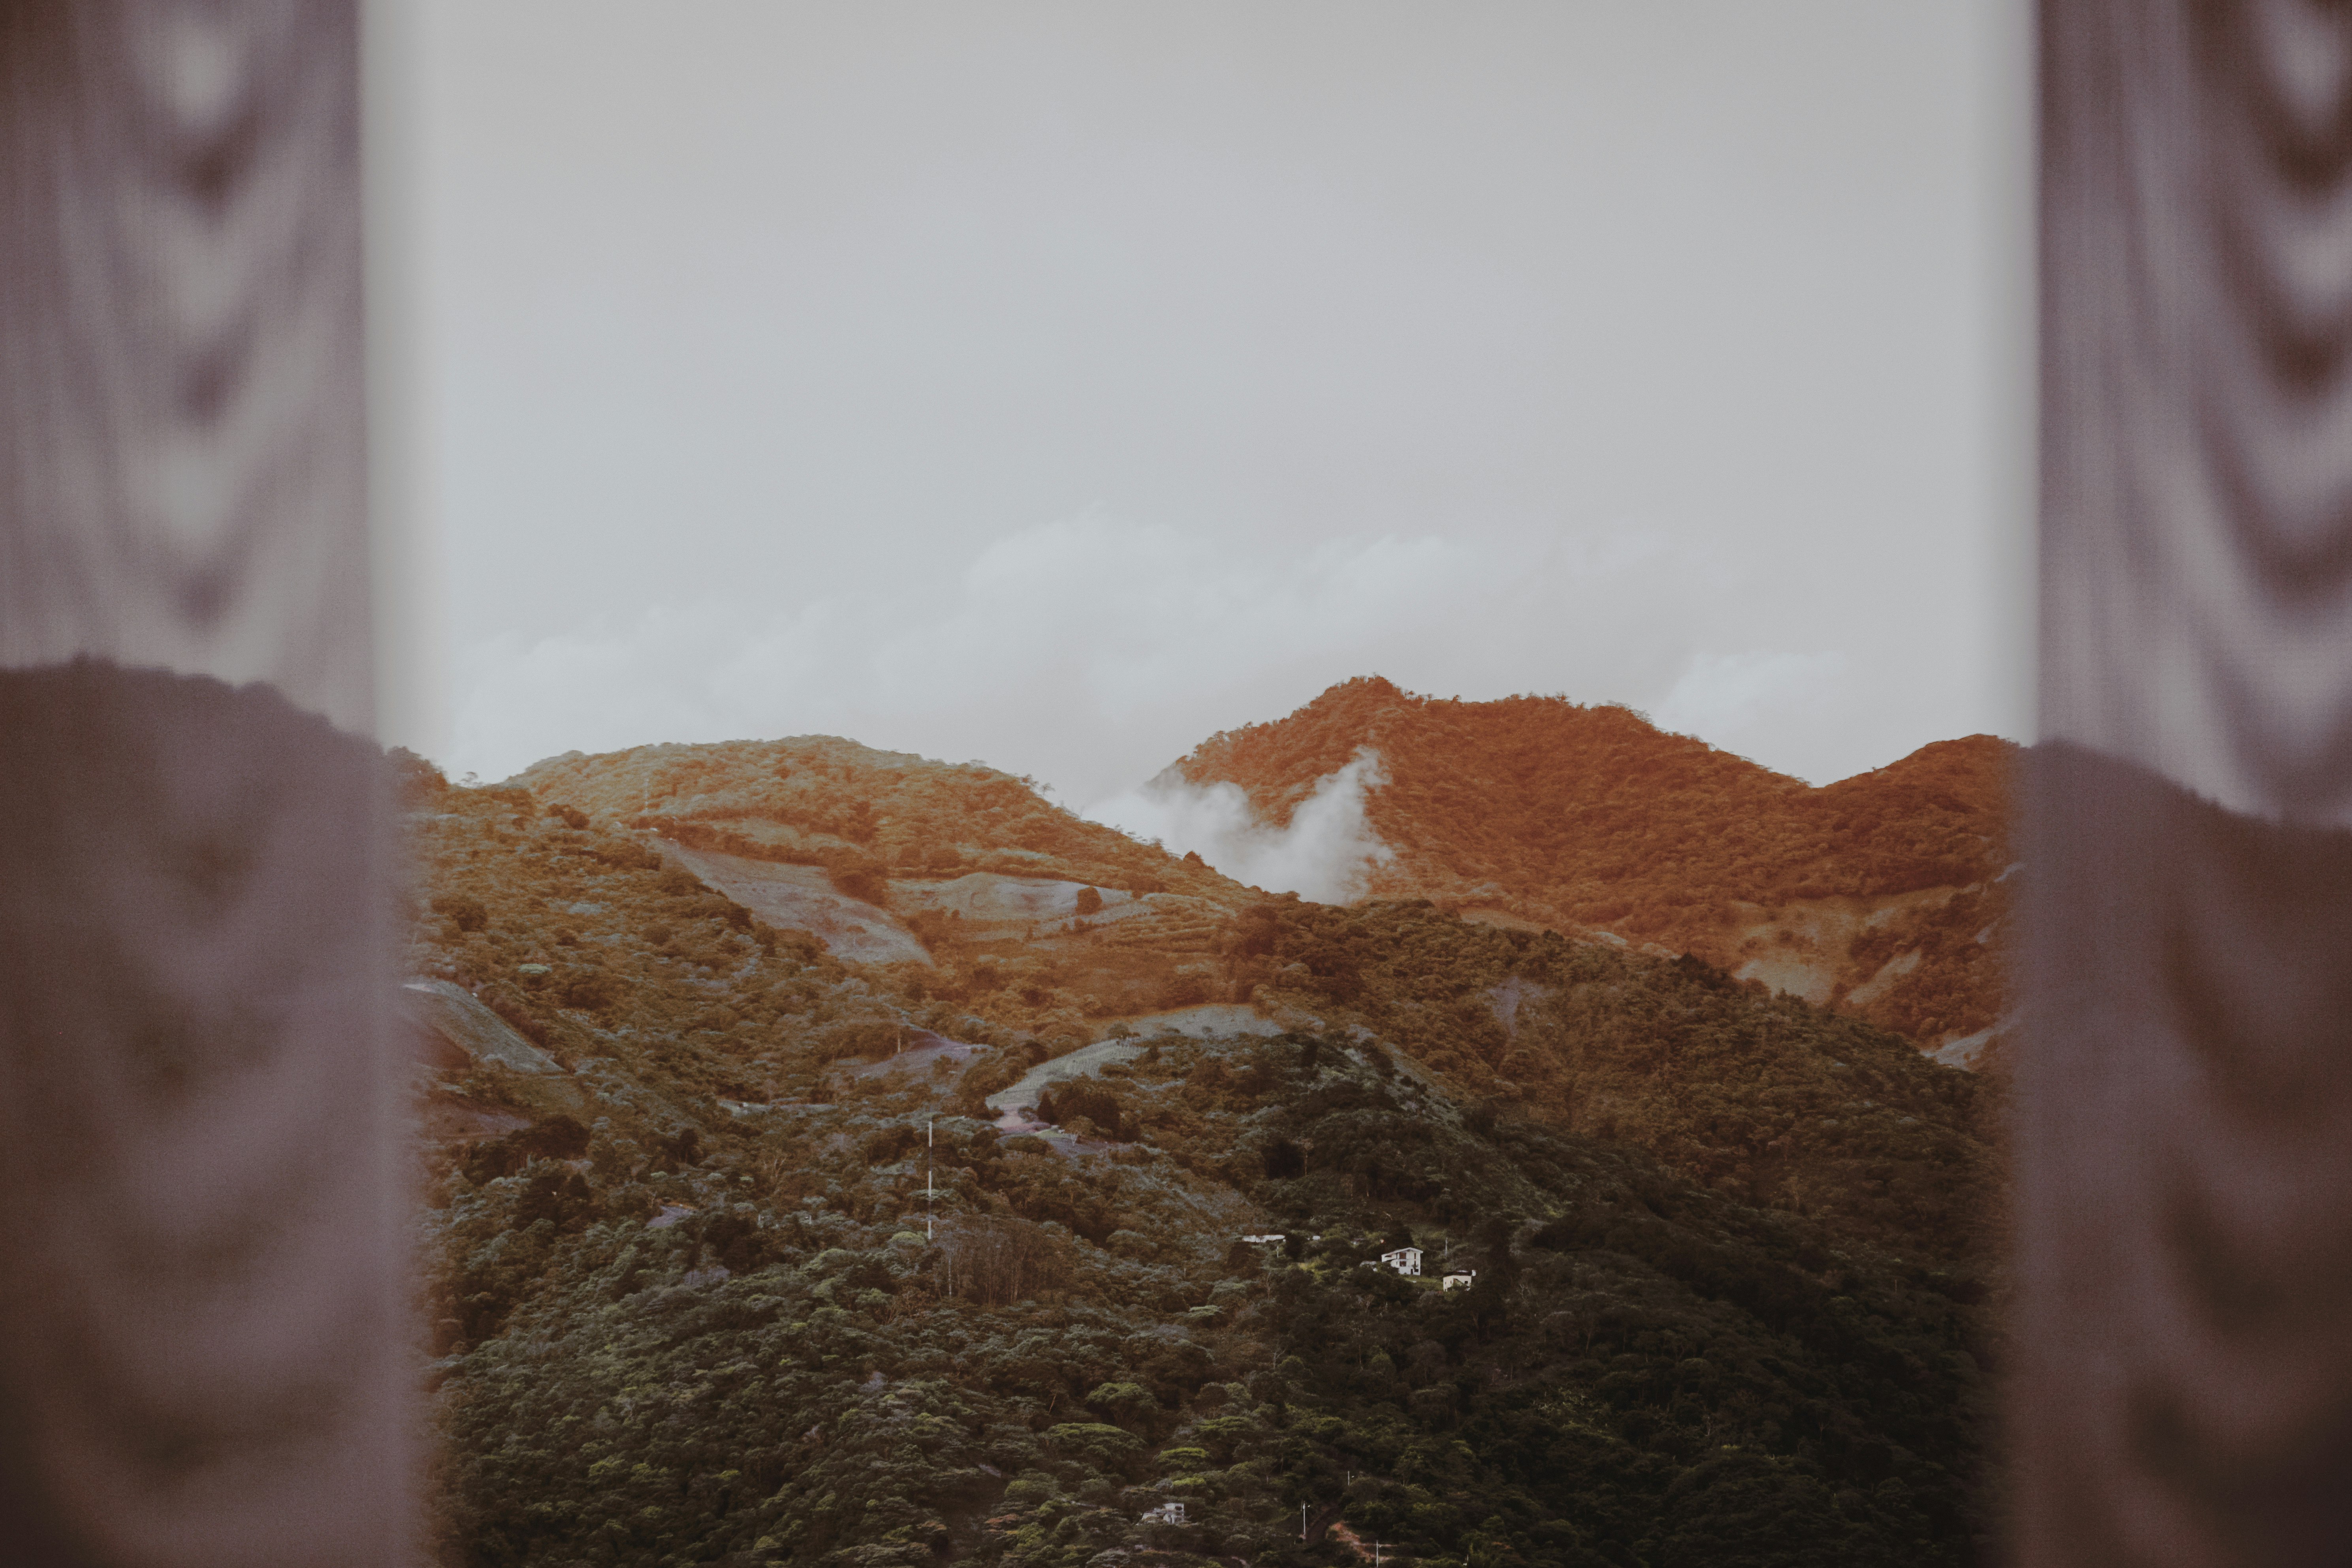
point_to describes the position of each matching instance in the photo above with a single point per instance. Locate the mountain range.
(1885, 894)
(831, 1156)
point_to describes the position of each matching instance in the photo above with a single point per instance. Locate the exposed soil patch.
(802, 898)
(993, 905)
(449, 1119)
(1209, 1021)
(1878, 984)
(1008, 1103)
(924, 1051)
(452, 1012)
(1967, 1051)
(1505, 1001)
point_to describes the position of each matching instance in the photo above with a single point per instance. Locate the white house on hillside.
(1461, 1281)
(1404, 1259)
(1166, 1513)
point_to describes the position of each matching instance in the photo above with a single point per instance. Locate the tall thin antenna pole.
(930, 1192)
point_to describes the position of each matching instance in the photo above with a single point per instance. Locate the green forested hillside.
(1762, 1097)
(685, 1309)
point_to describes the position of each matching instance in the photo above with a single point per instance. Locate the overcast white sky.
(1056, 384)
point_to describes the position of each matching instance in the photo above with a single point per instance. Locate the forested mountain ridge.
(745, 1251)
(1884, 894)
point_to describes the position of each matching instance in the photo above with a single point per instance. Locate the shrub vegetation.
(744, 1284)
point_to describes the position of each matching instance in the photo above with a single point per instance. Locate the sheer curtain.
(2184, 1132)
(204, 1344)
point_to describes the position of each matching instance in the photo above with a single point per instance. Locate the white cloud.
(1093, 652)
(1129, 618)
(1323, 853)
(736, 416)
(1089, 652)
(1770, 706)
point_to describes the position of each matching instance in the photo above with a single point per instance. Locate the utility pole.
(930, 1192)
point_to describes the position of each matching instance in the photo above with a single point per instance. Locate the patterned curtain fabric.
(203, 1340)
(2184, 1137)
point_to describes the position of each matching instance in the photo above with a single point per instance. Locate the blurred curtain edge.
(2182, 1386)
(205, 1353)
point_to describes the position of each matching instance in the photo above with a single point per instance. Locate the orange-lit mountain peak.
(1540, 809)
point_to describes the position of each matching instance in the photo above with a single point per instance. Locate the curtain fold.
(2184, 1133)
(205, 1348)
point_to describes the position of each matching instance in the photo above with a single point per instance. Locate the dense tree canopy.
(742, 1283)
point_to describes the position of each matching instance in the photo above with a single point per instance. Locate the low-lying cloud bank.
(1090, 652)
(1324, 853)
(1756, 702)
